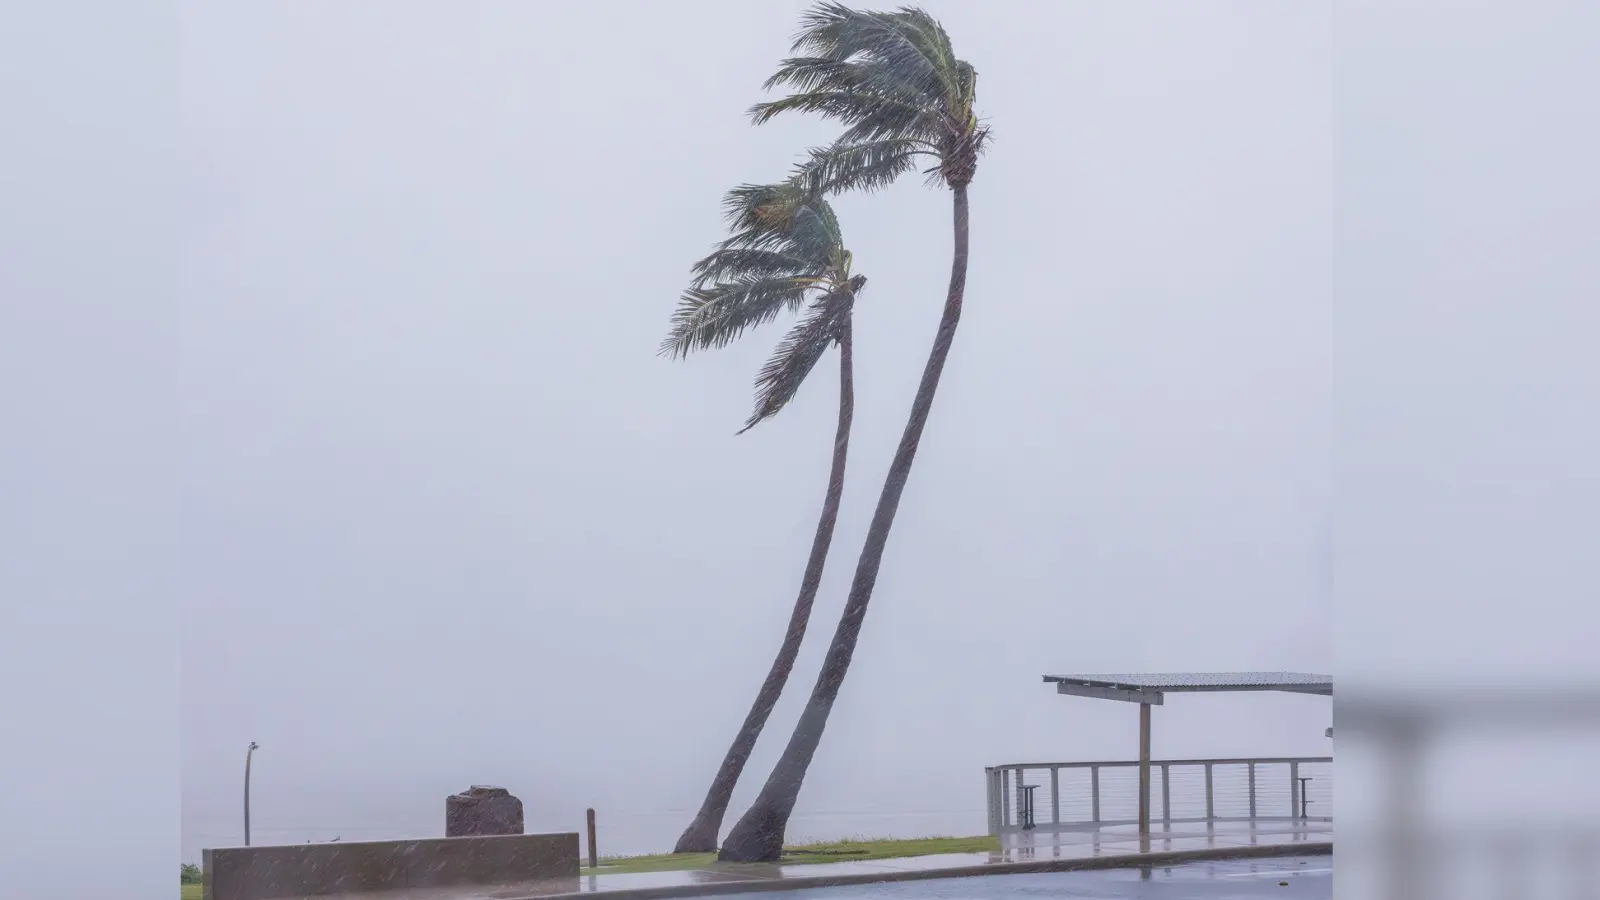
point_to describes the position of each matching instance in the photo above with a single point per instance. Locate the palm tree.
(786, 254)
(894, 81)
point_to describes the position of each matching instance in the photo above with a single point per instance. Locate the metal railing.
(1065, 795)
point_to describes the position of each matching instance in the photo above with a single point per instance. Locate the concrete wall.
(304, 870)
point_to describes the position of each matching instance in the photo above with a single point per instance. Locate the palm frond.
(861, 165)
(715, 316)
(797, 354)
(805, 74)
(966, 85)
(924, 125)
(899, 39)
(849, 107)
(926, 33)
(731, 262)
(815, 232)
(763, 207)
(982, 137)
(786, 218)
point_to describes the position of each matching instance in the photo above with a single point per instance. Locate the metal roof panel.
(1204, 681)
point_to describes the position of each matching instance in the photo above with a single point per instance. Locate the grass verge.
(828, 851)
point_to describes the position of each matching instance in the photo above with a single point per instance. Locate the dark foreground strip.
(1035, 867)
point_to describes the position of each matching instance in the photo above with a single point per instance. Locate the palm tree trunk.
(701, 835)
(758, 835)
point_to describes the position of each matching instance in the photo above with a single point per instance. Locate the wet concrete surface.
(1230, 880)
(1289, 878)
(1038, 846)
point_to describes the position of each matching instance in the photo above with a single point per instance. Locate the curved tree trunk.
(701, 835)
(758, 835)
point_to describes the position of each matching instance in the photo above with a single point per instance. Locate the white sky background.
(447, 519)
(1466, 388)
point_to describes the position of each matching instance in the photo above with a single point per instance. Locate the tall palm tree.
(904, 98)
(786, 254)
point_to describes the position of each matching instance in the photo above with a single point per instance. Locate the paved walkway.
(1289, 878)
(1027, 853)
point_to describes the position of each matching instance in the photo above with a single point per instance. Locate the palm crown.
(893, 80)
(786, 254)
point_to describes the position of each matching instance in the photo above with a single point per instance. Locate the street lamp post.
(247, 754)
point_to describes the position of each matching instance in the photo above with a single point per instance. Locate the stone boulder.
(482, 810)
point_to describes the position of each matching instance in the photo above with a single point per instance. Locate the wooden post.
(1144, 768)
(594, 854)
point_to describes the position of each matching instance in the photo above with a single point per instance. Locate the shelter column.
(1144, 768)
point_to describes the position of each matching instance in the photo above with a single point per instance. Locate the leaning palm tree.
(894, 81)
(786, 254)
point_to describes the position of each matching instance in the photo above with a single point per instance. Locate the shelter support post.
(1144, 768)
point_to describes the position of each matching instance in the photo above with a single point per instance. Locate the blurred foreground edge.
(1455, 774)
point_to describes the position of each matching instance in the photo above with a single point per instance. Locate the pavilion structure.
(1151, 690)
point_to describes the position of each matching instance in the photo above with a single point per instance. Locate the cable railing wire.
(1091, 794)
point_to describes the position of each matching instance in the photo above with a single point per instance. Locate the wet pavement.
(1041, 846)
(942, 875)
(1297, 878)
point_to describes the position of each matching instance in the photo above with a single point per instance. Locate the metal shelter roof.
(1150, 688)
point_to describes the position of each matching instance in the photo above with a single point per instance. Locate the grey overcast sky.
(447, 519)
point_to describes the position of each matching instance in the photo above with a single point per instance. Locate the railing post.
(999, 793)
(1295, 807)
(1011, 803)
(1055, 795)
(988, 796)
(1252, 790)
(1094, 792)
(1005, 798)
(1166, 793)
(1211, 805)
(1016, 794)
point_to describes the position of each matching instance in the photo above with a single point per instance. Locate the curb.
(1093, 863)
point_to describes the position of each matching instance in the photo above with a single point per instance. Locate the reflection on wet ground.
(1295, 878)
(1042, 846)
